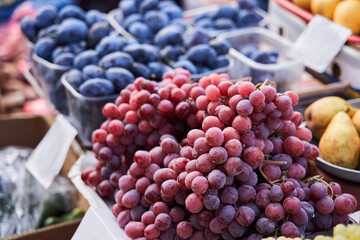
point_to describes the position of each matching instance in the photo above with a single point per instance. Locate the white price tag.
(47, 159)
(99, 224)
(319, 43)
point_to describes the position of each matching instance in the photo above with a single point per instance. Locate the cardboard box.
(27, 130)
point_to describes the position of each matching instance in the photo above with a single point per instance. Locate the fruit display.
(330, 120)
(229, 17)
(344, 13)
(213, 159)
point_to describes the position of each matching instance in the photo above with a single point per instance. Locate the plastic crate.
(286, 73)
(85, 113)
(48, 77)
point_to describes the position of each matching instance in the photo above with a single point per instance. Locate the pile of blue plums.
(196, 52)
(145, 18)
(112, 65)
(229, 17)
(60, 34)
(254, 53)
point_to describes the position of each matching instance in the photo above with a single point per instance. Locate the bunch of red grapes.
(238, 171)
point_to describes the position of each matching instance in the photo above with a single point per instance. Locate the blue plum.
(64, 59)
(247, 18)
(148, 5)
(49, 31)
(86, 58)
(247, 4)
(110, 44)
(156, 70)
(59, 50)
(261, 57)
(224, 23)
(201, 54)
(128, 7)
(97, 87)
(45, 16)
(140, 31)
(116, 59)
(28, 27)
(94, 16)
(248, 50)
(197, 37)
(171, 53)
(172, 11)
(97, 32)
(126, 22)
(143, 52)
(170, 35)
(140, 70)
(93, 71)
(205, 23)
(156, 20)
(44, 46)
(120, 77)
(221, 46)
(74, 77)
(72, 30)
(226, 12)
(222, 61)
(72, 11)
(186, 64)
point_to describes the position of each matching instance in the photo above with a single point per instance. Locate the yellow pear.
(305, 4)
(325, 8)
(356, 121)
(347, 13)
(319, 114)
(340, 144)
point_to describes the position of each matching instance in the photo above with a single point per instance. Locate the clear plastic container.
(48, 76)
(286, 73)
(85, 113)
(190, 15)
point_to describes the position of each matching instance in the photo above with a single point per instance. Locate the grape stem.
(320, 179)
(264, 176)
(270, 162)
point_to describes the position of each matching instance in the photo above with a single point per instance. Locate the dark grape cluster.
(239, 172)
(229, 18)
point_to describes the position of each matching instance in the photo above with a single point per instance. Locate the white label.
(319, 43)
(99, 224)
(47, 159)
